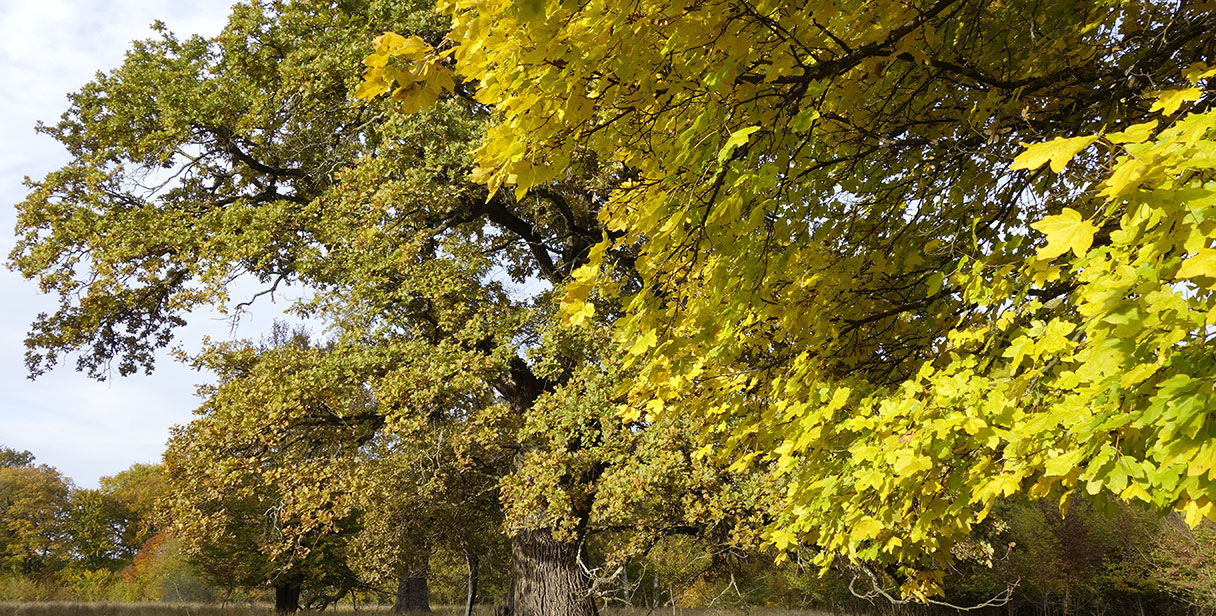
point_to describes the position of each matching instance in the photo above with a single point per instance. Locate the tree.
(258, 498)
(12, 457)
(430, 490)
(280, 176)
(138, 491)
(33, 502)
(841, 240)
(94, 524)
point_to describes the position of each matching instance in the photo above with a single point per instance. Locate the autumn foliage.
(864, 285)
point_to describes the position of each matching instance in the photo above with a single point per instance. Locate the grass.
(81, 608)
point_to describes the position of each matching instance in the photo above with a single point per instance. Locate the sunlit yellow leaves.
(579, 313)
(866, 528)
(773, 269)
(1058, 152)
(1201, 264)
(416, 79)
(1136, 491)
(1169, 101)
(1195, 513)
(1136, 133)
(371, 88)
(394, 44)
(908, 463)
(1062, 464)
(1065, 231)
(644, 342)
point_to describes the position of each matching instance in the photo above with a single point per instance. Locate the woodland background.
(62, 543)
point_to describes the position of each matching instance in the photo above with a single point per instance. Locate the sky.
(84, 428)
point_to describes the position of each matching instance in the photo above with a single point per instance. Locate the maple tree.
(918, 256)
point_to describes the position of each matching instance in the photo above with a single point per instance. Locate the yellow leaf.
(908, 463)
(782, 538)
(394, 44)
(1135, 491)
(644, 342)
(389, 41)
(370, 89)
(584, 273)
(839, 398)
(1170, 100)
(1203, 263)
(1136, 375)
(1136, 133)
(376, 60)
(1062, 465)
(630, 414)
(867, 528)
(1196, 513)
(1065, 231)
(580, 314)
(1058, 151)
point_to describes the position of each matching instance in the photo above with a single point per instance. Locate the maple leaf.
(1065, 231)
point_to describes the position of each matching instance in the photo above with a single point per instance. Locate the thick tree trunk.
(412, 590)
(471, 560)
(548, 580)
(287, 598)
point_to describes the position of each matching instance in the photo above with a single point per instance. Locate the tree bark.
(412, 590)
(287, 598)
(471, 560)
(548, 580)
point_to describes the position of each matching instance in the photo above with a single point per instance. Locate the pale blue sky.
(86, 429)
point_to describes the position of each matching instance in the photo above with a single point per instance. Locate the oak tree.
(201, 161)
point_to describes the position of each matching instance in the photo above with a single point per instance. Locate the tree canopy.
(898, 260)
(919, 256)
(199, 161)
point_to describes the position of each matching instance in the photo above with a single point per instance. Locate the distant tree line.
(60, 542)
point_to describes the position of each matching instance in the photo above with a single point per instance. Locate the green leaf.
(737, 138)
(1058, 152)
(933, 283)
